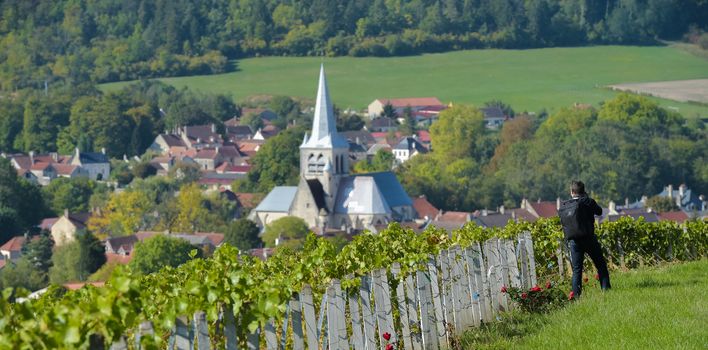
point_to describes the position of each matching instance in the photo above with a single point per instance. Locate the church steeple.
(324, 126)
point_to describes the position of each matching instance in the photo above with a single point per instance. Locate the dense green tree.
(71, 194)
(276, 163)
(11, 117)
(65, 263)
(349, 122)
(388, 111)
(77, 260)
(455, 134)
(661, 204)
(381, 161)
(243, 234)
(23, 274)
(39, 251)
(43, 118)
(21, 203)
(289, 231)
(162, 250)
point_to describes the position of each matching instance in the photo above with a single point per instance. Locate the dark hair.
(577, 187)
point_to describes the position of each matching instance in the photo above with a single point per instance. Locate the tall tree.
(162, 250)
(243, 234)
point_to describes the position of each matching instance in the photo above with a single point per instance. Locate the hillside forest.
(74, 41)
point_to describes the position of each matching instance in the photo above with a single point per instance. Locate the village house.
(407, 148)
(12, 249)
(189, 137)
(494, 117)
(95, 164)
(686, 199)
(327, 195)
(41, 169)
(416, 104)
(451, 220)
(424, 210)
(65, 227)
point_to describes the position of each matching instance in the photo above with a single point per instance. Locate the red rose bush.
(537, 299)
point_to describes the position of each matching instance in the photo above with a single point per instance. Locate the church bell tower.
(324, 153)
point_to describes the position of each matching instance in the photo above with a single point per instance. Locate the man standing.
(578, 219)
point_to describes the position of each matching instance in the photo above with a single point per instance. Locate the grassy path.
(527, 79)
(654, 308)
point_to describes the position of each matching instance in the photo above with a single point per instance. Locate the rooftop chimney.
(31, 155)
(682, 190)
(558, 203)
(670, 189)
(66, 213)
(213, 127)
(501, 209)
(103, 150)
(613, 208)
(54, 156)
(626, 202)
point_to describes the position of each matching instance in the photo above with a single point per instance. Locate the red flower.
(571, 295)
(503, 289)
(389, 346)
(536, 289)
(597, 276)
(387, 336)
(585, 279)
(548, 285)
(523, 295)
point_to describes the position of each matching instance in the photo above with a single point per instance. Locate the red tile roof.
(215, 238)
(457, 216)
(424, 208)
(47, 223)
(675, 216)
(413, 102)
(14, 244)
(143, 235)
(79, 285)
(247, 200)
(523, 214)
(545, 209)
(206, 154)
(64, 169)
(118, 258)
(423, 136)
(40, 166)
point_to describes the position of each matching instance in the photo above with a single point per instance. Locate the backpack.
(569, 213)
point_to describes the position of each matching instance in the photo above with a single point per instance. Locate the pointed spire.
(304, 139)
(324, 126)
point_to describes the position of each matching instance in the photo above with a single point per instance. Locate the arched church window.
(311, 166)
(320, 163)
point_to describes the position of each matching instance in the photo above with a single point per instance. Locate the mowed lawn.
(653, 308)
(527, 79)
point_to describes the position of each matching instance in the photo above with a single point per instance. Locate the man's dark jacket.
(587, 208)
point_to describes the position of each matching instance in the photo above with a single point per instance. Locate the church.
(328, 196)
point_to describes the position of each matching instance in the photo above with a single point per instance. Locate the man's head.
(577, 188)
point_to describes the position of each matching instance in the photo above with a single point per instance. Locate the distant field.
(527, 79)
(695, 90)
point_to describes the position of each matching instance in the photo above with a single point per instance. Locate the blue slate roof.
(278, 200)
(92, 157)
(390, 188)
(360, 195)
(689, 201)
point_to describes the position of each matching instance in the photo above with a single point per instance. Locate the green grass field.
(655, 308)
(527, 79)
